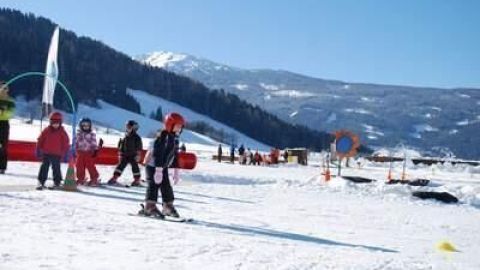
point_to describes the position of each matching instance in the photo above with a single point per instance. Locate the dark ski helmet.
(133, 124)
(56, 117)
(83, 121)
(173, 119)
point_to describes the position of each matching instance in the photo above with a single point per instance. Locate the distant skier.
(7, 108)
(285, 156)
(219, 153)
(183, 148)
(52, 146)
(241, 155)
(251, 157)
(257, 158)
(160, 156)
(232, 153)
(129, 149)
(248, 156)
(86, 148)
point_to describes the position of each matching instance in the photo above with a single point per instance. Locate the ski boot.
(150, 210)
(55, 187)
(136, 182)
(81, 182)
(40, 186)
(169, 210)
(113, 181)
(93, 183)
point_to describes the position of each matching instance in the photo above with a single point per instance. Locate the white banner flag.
(52, 72)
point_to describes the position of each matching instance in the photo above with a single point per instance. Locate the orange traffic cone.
(70, 184)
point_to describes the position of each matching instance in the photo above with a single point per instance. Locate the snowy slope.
(246, 217)
(114, 118)
(150, 103)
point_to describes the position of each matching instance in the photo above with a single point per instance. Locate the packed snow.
(163, 59)
(372, 130)
(332, 118)
(357, 110)
(245, 217)
(270, 87)
(241, 87)
(293, 93)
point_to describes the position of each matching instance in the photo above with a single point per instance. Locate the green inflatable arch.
(65, 89)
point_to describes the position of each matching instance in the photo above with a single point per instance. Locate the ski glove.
(158, 176)
(176, 177)
(95, 152)
(138, 157)
(38, 153)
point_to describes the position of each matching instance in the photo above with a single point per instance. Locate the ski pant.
(152, 189)
(86, 161)
(4, 134)
(3, 157)
(54, 160)
(124, 160)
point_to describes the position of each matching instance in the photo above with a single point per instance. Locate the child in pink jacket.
(86, 148)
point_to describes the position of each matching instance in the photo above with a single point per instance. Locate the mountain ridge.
(435, 120)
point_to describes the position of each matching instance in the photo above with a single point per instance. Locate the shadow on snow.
(285, 235)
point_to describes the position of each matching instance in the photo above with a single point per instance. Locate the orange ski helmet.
(173, 119)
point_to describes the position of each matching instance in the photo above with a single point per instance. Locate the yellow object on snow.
(446, 246)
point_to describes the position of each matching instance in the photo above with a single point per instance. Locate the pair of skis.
(141, 213)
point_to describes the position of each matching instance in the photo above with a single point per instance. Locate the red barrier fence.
(25, 151)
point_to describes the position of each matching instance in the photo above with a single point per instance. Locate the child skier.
(160, 156)
(86, 148)
(52, 146)
(129, 148)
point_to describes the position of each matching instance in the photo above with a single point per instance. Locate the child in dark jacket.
(52, 146)
(86, 148)
(160, 156)
(129, 149)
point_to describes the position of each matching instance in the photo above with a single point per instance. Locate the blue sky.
(409, 42)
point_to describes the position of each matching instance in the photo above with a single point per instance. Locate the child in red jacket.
(52, 146)
(86, 148)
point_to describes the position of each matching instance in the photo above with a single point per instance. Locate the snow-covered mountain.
(434, 120)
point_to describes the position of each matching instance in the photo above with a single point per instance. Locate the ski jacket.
(164, 152)
(53, 141)
(86, 141)
(130, 145)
